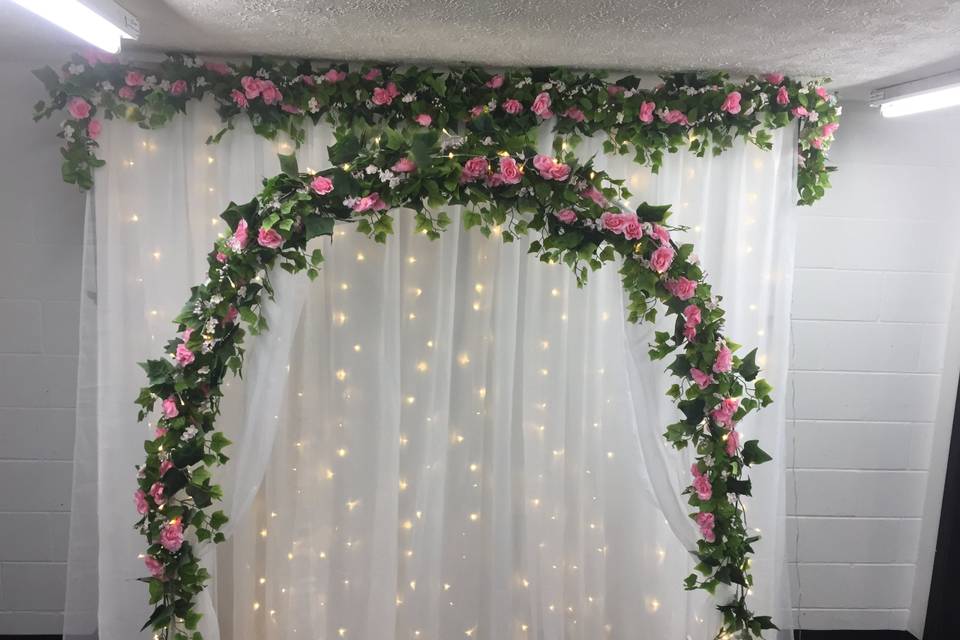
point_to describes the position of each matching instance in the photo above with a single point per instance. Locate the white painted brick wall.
(41, 220)
(874, 276)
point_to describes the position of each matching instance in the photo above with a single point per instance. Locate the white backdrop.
(454, 440)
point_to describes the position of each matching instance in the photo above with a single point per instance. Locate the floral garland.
(393, 150)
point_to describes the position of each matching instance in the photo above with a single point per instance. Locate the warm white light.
(82, 21)
(919, 103)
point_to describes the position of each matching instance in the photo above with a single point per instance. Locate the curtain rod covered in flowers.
(423, 139)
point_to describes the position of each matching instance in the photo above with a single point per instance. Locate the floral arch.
(421, 139)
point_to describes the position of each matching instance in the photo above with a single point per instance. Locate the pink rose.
(477, 111)
(178, 88)
(661, 234)
(270, 93)
(774, 78)
(184, 356)
(269, 238)
(674, 116)
(512, 106)
(723, 413)
(156, 492)
(689, 331)
(251, 86)
(133, 79)
(782, 96)
(724, 360)
(78, 108)
(646, 111)
(612, 221)
(154, 566)
(701, 485)
(706, 522)
(495, 82)
(594, 194)
(231, 316)
(307, 80)
(493, 180)
(370, 202)
(159, 432)
(550, 169)
(509, 170)
(220, 68)
(140, 499)
(682, 288)
(632, 230)
(289, 108)
(701, 379)
(404, 165)
(692, 315)
(817, 143)
(541, 105)
(383, 96)
(822, 92)
(165, 466)
(322, 185)
(126, 93)
(170, 410)
(474, 168)
(423, 120)
(575, 114)
(240, 237)
(373, 74)
(829, 129)
(239, 99)
(731, 103)
(221, 257)
(94, 129)
(733, 443)
(799, 112)
(332, 75)
(171, 536)
(614, 89)
(661, 259)
(566, 216)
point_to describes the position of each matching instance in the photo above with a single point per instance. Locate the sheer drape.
(454, 440)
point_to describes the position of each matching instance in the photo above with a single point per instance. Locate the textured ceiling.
(854, 41)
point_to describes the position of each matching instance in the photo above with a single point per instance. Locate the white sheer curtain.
(453, 440)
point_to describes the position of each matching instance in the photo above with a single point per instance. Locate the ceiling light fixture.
(918, 96)
(103, 28)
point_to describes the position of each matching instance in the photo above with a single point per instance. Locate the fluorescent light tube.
(85, 23)
(929, 101)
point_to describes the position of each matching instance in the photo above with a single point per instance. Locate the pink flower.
(270, 93)
(221, 257)
(782, 96)
(632, 230)
(731, 103)
(423, 120)
(94, 129)
(251, 86)
(674, 116)
(154, 566)
(332, 75)
(541, 105)
(567, 216)
(140, 499)
(575, 114)
(700, 378)
(370, 202)
(661, 259)
(550, 169)
(239, 99)
(723, 413)
(509, 171)
(269, 238)
(774, 78)
(322, 185)
(612, 221)
(404, 165)
(512, 106)
(646, 111)
(706, 522)
(384, 95)
(159, 432)
(184, 356)
(240, 237)
(133, 79)
(822, 92)
(701, 485)
(661, 234)
(495, 82)
(307, 80)
(494, 180)
(733, 443)
(689, 331)
(171, 536)
(614, 89)
(219, 67)
(178, 88)
(170, 410)
(156, 492)
(231, 316)
(799, 112)
(474, 168)
(724, 360)
(289, 108)
(817, 143)
(829, 129)
(373, 74)
(692, 315)
(165, 466)
(682, 288)
(78, 108)
(126, 93)
(594, 194)
(477, 111)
